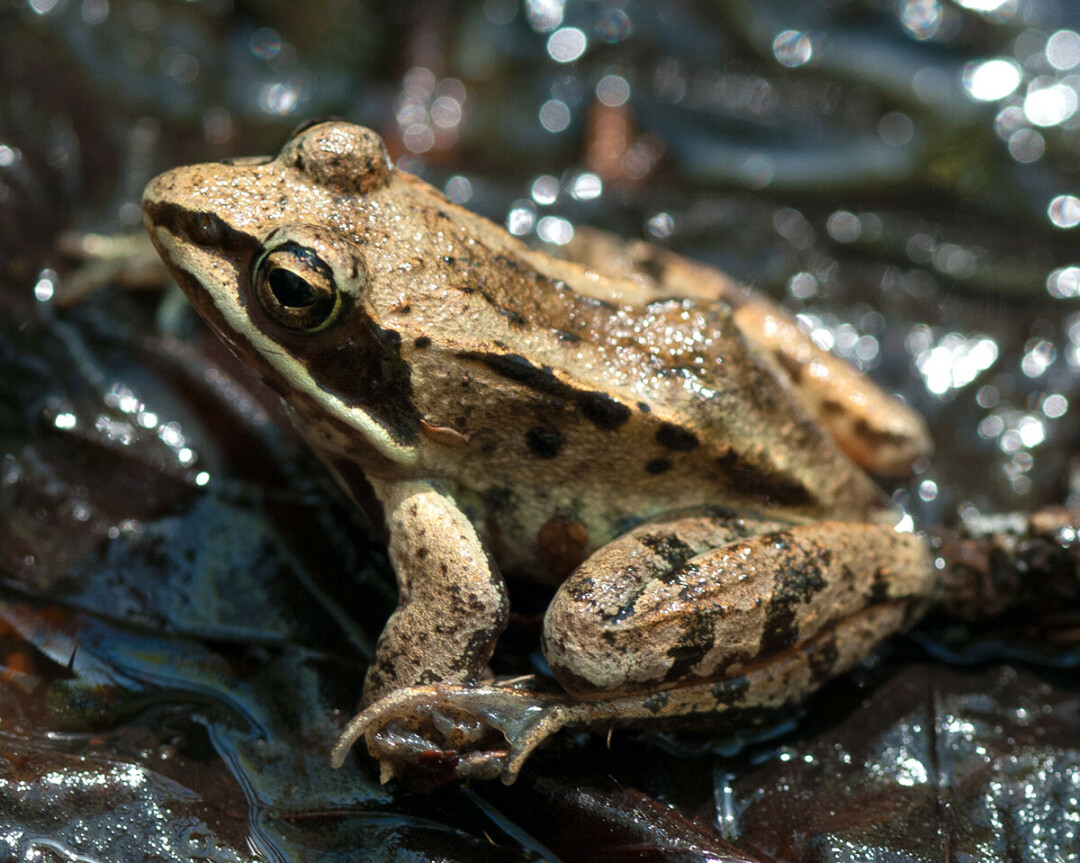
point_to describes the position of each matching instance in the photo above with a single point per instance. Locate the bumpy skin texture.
(516, 413)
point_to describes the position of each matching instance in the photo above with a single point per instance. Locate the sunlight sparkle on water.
(1055, 406)
(1003, 10)
(921, 18)
(1050, 105)
(43, 7)
(566, 44)
(544, 15)
(278, 98)
(555, 115)
(1064, 211)
(1026, 146)
(45, 286)
(428, 111)
(1064, 283)
(990, 80)
(521, 219)
(896, 129)
(458, 189)
(586, 186)
(545, 189)
(1063, 49)
(552, 229)
(953, 362)
(843, 226)
(1039, 355)
(792, 48)
(613, 26)
(613, 90)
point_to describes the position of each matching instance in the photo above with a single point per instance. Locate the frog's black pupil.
(290, 289)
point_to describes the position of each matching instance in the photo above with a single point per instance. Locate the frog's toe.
(428, 735)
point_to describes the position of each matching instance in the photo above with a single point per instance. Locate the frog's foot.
(429, 735)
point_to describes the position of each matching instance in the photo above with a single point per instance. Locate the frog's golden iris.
(296, 288)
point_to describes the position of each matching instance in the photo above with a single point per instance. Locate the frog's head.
(270, 252)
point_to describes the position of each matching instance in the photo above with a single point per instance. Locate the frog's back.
(593, 412)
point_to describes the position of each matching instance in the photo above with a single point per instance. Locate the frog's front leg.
(452, 601)
(452, 607)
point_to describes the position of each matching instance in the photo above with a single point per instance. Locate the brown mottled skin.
(516, 413)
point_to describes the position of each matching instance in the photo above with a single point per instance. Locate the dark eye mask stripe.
(234, 244)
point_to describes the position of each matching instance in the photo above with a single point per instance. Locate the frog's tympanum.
(662, 447)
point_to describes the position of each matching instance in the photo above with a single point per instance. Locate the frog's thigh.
(875, 429)
(452, 602)
(647, 613)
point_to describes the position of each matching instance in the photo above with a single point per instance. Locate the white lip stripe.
(193, 260)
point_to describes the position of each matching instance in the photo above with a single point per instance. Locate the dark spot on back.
(603, 411)
(422, 342)
(544, 442)
(675, 438)
(754, 480)
(516, 368)
(657, 465)
(790, 365)
(599, 408)
(680, 573)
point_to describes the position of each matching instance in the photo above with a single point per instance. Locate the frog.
(659, 448)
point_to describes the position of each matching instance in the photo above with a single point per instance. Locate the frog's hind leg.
(706, 598)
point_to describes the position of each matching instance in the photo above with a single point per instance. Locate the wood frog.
(662, 447)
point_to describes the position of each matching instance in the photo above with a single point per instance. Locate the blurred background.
(186, 605)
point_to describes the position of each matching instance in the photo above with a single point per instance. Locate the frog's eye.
(296, 288)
